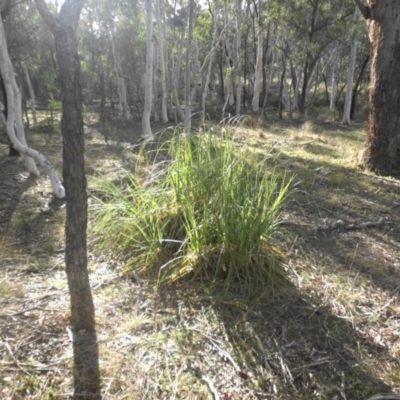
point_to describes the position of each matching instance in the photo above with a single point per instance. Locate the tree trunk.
(350, 74)
(123, 103)
(31, 94)
(14, 124)
(175, 78)
(148, 89)
(382, 152)
(334, 81)
(161, 34)
(356, 88)
(259, 63)
(188, 108)
(238, 55)
(210, 61)
(83, 333)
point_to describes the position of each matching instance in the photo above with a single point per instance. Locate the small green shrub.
(206, 210)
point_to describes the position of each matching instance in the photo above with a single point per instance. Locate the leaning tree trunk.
(382, 152)
(148, 83)
(350, 73)
(31, 94)
(14, 124)
(83, 332)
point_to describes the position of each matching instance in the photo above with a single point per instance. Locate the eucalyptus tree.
(259, 61)
(238, 55)
(83, 332)
(148, 85)
(382, 152)
(161, 40)
(312, 27)
(350, 74)
(188, 105)
(14, 124)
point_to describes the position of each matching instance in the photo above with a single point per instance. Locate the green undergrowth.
(199, 208)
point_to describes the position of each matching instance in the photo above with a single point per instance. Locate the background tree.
(148, 86)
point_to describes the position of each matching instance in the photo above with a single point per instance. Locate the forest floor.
(334, 335)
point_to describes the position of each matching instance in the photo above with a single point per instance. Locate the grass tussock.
(205, 211)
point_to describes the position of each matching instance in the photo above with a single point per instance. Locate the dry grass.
(334, 335)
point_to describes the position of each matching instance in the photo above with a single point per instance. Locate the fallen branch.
(211, 386)
(389, 396)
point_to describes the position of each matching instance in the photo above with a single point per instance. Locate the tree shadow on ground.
(282, 347)
(14, 181)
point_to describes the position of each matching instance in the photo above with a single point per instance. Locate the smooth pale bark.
(229, 99)
(188, 107)
(259, 61)
(350, 73)
(14, 124)
(121, 85)
(195, 74)
(161, 35)
(32, 99)
(148, 83)
(175, 78)
(210, 62)
(271, 73)
(335, 79)
(83, 327)
(156, 118)
(238, 55)
(382, 152)
(281, 85)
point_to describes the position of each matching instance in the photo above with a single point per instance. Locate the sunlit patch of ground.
(335, 334)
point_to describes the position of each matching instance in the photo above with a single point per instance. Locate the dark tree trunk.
(382, 152)
(86, 376)
(221, 76)
(356, 89)
(302, 103)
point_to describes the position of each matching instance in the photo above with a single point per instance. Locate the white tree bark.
(334, 81)
(175, 78)
(123, 103)
(31, 94)
(238, 55)
(271, 72)
(156, 118)
(350, 75)
(229, 99)
(15, 127)
(148, 89)
(258, 67)
(161, 34)
(188, 107)
(210, 62)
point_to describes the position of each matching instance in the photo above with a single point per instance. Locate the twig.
(15, 359)
(211, 386)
